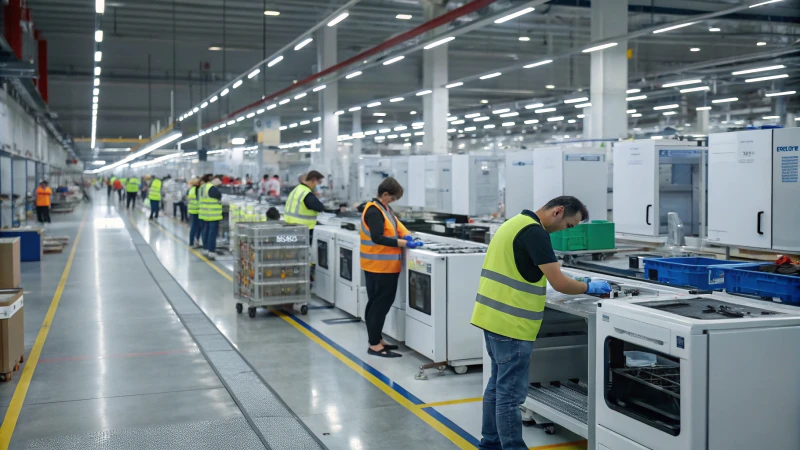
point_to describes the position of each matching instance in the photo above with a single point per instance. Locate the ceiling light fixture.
(670, 113)
(636, 97)
(680, 83)
(534, 105)
(224, 92)
(458, 122)
(491, 75)
(303, 44)
(338, 113)
(524, 38)
(703, 108)
(272, 13)
(379, 114)
(393, 60)
(98, 56)
(299, 96)
(514, 15)
(761, 43)
(508, 124)
(673, 27)
(452, 85)
(284, 101)
(501, 111)
(714, 30)
(695, 89)
(600, 47)
(438, 43)
(355, 108)
(663, 107)
(550, 86)
(544, 110)
(97, 81)
(275, 61)
(488, 127)
(481, 119)
(531, 121)
(631, 111)
(555, 119)
(771, 117)
(583, 105)
(213, 99)
(778, 94)
(100, 6)
(204, 104)
(511, 114)
(98, 36)
(636, 115)
(237, 84)
(353, 75)
(694, 49)
(319, 88)
(338, 19)
(396, 99)
(472, 115)
(725, 100)
(576, 100)
(403, 16)
(373, 104)
(425, 92)
(272, 106)
(97, 71)
(771, 77)
(537, 64)
(764, 3)
(252, 74)
(758, 69)
(633, 91)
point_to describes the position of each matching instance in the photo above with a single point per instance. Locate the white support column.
(435, 105)
(356, 150)
(702, 122)
(790, 120)
(329, 102)
(609, 72)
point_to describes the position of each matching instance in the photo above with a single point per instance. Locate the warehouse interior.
(162, 163)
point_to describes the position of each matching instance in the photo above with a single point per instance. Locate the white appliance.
(519, 182)
(323, 255)
(366, 174)
(715, 373)
(653, 178)
(399, 170)
(438, 183)
(416, 188)
(580, 172)
(753, 189)
(349, 276)
(442, 281)
(475, 187)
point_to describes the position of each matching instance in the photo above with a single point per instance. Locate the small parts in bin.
(783, 266)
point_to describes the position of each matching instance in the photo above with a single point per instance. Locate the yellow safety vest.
(155, 190)
(296, 211)
(210, 208)
(132, 185)
(194, 204)
(507, 304)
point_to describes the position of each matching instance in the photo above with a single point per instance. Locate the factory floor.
(133, 341)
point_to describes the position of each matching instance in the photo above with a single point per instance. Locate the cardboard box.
(9, 263)
(12, 331)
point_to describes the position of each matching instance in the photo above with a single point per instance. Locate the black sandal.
(391, 346)
(385, 353)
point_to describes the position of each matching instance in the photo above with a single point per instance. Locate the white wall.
(20, 134)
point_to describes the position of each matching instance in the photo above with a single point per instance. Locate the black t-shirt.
(532, 248)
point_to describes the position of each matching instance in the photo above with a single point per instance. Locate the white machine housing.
(729, 368)
(415, 187)
(580, 172)
(323, 255)
(349, 276)
(519, 182)
(438, 183)
(753, 189)
(481, 196)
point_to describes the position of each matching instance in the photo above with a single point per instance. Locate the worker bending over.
(132, 188)
(382, 238)
(510, 305)
(43, 193)
(155, 197)
(302, 206)
(210, 214)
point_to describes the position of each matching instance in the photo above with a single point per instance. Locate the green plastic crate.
(597, 235)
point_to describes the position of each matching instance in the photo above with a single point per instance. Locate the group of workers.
(132, 187)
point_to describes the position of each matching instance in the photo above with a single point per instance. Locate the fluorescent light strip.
(470, 128)
(680, 83)
(670, 113)
(284, 101)
(213, 99)
(252, 74)
(354, 74)
(488, 127)
(771, 77)
(355, 108)
(531, 121)
(100, 6)
(555, 119)
(272, 106)
(319, 88)
(583, 105)
(695, 89)
(633, 91)
(403, 16)
(537, 64)
(663, 107)
(425, 92)
(637, 97)
(275, 61)
(453, 85)
(491, 75)
(600, 47)
(508, 124)
(771, 117)
(501, 111)
(514, 15)
(373, 104)
(544, 110)
(674, 27)
(458, 122)
(379, 114)
(511, 114)
(778, 94)
(98, 56)
(438, 43)
(758, 69)
(725, 100)
(534, 105)
(763, 3)
(396, 99)
(576, 100)
(481, 119)
(98, 36)
(338, 19)
(224, 92)
(472, 115)
(393, 60)
(204, 104)
(703, 108)
(299, 96)
(636, 115)
(237, 84)
(303, 44)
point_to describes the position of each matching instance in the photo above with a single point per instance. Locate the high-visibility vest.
(124, 182)
(155, 190)
(210, 208)
(194, 203)
(296, 211)
(113, 179)
(380, 258)
(132, 185)
(508, 304)
(43, 196)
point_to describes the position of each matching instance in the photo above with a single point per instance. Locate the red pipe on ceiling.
(403, 37)
(13, 29)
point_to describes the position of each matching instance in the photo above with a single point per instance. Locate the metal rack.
(666, 379)
(272, 266)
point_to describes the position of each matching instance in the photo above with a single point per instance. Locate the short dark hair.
(390, 186)
(266, 176)
(571, 206)
(314, 176)
(273, 214)
(277, 177)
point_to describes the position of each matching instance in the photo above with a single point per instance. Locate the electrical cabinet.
(579, 172)
(438, 183)
(519, 182)
(475, 185)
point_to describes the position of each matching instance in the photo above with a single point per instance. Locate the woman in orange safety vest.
(43, 193)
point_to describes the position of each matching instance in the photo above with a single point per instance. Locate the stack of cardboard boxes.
(12, 321)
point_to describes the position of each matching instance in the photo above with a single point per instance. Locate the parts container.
(596, 235)
(746, 279)
(697, 272)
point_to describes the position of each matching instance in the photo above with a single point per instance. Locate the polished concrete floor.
(146, 350)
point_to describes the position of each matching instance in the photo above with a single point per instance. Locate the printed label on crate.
(789, 168)
(678, 153)
(285, 239)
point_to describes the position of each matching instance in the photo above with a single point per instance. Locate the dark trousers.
(182, 206)
(119, 194)
(109, 190)
(131, 198)
(381, 289)
(154, 207)
(196, 229)
(210, 229)
(43, 214)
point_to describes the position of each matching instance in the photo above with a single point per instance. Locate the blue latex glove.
(583, 279)
(414, 244)
(598, 287)
(409, 238)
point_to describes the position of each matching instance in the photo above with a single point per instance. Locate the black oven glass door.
(346, 263)
(322, 253)
(419, 291)
(643, 384)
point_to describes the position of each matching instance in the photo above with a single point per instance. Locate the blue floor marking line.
(386, 380)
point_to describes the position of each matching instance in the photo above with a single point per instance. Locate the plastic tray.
(698, 272)
(596, 235)
(746, 279)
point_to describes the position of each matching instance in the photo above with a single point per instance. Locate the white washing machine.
(348, 276)
(323, 255)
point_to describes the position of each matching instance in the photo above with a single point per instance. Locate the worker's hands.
(598, 287)
(586, 280)
(409, 238)
(414, 244)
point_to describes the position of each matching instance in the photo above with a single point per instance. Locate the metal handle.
(647, 214)
(758, 223)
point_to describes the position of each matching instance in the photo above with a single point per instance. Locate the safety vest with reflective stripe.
(296, 211)
(507, 304)
(155, 190)
(210, 208)
(380, 258)
(194, 204)
(132, 185)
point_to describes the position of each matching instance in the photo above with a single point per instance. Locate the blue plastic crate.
(746, 279)
(698, 272)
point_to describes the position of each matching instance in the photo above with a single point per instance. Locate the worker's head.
(266, 177)
(273, 214)
(207, 178)
(313, 179)
(43, 183)
(275, 177)
(389, 191)
(561, 213)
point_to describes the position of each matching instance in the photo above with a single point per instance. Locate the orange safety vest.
(43, 196)
(380, 258)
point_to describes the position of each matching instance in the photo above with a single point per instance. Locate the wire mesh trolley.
(272, 266)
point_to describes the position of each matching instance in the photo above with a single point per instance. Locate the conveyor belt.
(568, 397)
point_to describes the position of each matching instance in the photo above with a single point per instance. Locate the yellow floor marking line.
(451, 402)
(15, 407)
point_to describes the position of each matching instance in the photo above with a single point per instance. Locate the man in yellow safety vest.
(132, 189)
(155, 197)
(302, 206)
(210, 213)
(510, 305)
(195, 224)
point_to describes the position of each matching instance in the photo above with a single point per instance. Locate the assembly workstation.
(589, 219)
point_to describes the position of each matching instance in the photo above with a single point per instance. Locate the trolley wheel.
(239, 308)
(550, 429)
(5, 376)
(251, 312)
(461, 370)
(22, 359)
(16, 367)
(529, 423)
(304, 310)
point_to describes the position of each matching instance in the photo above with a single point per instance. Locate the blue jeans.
(196, 229)
(210, 236)
(154, 206)
(505, 392)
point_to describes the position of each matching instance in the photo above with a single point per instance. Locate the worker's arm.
(312, 202)
(376, 222)
(215, 193)
(561, 282)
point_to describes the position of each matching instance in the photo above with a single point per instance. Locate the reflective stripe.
(390, 215)
(512, 283)
(382, 256)
(364, 229)
(508, 309)
(368, 243)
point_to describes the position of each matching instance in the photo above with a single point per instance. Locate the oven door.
(426, 307)
(644, 391)
(322, 254)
